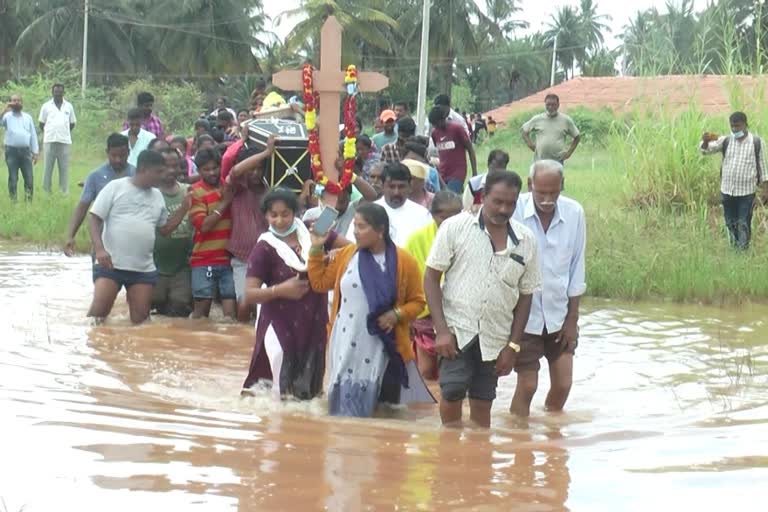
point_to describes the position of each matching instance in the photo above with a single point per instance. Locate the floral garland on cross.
(350, 128)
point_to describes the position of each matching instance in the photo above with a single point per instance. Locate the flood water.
(669, 412)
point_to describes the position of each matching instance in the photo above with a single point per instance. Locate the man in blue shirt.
(21, 146)
(115, 167)
(552, 330)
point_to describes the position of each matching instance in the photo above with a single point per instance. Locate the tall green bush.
(660, 154)
(177, 104)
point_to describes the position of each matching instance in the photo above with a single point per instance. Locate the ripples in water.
(669, 410)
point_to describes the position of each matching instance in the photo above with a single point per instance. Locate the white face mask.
(739, 134)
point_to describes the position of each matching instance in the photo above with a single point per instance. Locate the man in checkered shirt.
(743, 170)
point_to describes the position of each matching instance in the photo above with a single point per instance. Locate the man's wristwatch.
(514, 346)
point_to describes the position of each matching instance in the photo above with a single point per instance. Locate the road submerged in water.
(669, 412)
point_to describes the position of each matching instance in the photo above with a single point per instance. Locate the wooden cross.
(329, 83)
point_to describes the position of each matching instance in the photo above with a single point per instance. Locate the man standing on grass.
(742, 171)
(552, 330)
(491, 269)
(172, 295)
(138, 138)
(145, 102)
(125, 219)
(21, 146)
(394, 152)
(115, 167)
(551, 129)
(211, 217)
(57, 120)
(453, 145)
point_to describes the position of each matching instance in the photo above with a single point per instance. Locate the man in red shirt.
(248, 222)
(211, 217)
(453, 145)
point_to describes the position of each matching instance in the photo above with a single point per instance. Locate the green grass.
(43, 222)
(645, 252)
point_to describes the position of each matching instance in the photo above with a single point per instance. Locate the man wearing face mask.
(742, 171)
(21, 146)
(552, 330)
(551, 128)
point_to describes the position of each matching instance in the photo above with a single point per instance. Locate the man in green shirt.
(172, 295)
(551, 129)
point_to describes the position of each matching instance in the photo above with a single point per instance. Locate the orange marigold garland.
(350, 127)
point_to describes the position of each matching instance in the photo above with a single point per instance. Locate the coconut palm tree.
(14, 16)
(593, 24)
(636, 39)
(55, 31)
(571, 46)
(365, 25)
(202, 38)
(601, 62)
(500, 13)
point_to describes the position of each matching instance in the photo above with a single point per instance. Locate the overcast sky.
(536, 12)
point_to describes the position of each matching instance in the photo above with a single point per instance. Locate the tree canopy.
(482, 46)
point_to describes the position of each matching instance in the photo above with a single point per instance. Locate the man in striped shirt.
(742, 171)
(211, 217)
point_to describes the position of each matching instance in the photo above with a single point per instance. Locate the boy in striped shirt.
(212, 220)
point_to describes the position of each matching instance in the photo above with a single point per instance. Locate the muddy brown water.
(669, 412)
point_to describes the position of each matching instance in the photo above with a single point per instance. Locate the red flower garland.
(350, 126)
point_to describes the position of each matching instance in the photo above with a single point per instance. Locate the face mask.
(283, 234)
(739, 135)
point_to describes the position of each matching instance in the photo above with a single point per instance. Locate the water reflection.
(668, 411)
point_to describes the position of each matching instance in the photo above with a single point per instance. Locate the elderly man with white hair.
(552, 329)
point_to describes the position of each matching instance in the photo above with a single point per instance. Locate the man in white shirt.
(552, 330)
(405, 216)
(57, 120)
(138, 137)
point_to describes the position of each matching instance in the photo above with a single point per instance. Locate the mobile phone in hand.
(325, 221)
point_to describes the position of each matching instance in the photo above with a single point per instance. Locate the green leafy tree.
(200, 38)
(601, 62)
(55, 31)
(566, 26)
(501, 14)
(593, 25)
(364, 26)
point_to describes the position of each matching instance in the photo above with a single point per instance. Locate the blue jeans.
(125, 278)
(456, 186)
(19, 159)
(204, 279)
(738, 218)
